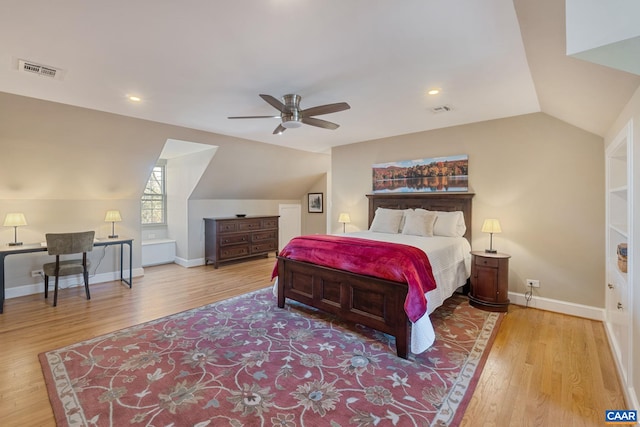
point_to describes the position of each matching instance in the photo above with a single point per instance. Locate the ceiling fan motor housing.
(291, 114)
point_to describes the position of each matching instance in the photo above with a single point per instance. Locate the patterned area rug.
(245, 362)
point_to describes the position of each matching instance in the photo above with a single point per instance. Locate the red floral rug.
(245, 362)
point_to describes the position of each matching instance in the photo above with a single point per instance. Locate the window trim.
(163, 196)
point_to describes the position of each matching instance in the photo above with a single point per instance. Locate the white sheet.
(450, 260)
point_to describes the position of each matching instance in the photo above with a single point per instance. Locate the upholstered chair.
(68, 244)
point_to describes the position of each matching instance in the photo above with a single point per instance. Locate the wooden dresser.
(229, 239)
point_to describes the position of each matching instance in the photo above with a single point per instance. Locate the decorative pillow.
(404, 215)
(449, 224)
(386, 221)
(419, 223)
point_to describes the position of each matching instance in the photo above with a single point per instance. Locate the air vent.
(441, 109)
(39, 69)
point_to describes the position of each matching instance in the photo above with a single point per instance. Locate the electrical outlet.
(533, 283)
(37, 273)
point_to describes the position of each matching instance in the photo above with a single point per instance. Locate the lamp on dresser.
(113, 217)
(491, 226)
(15, 220)
(344, 219)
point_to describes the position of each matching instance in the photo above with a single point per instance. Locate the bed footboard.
(373, 302)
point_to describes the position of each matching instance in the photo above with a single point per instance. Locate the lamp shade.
(344, 218)
(15, 220)
(113, 216)
(491, 226)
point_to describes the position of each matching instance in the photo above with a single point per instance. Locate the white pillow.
(449, 224)
(404, 215)
(419, 223)
(386, 221)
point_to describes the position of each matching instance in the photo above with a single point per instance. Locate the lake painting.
(423, 175)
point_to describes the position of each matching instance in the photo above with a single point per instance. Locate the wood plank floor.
(544, 368)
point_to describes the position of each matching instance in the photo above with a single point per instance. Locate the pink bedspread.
(391, 261)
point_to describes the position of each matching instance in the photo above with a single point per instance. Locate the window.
(154, 199)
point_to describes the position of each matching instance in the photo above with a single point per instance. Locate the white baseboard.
(629, 391)
(586, 311)
(69, 282)
(189, 262)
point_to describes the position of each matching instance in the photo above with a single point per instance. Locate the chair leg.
(46, 286)
(55, 293)
(86, 283)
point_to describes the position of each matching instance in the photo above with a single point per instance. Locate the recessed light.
(134, 98)
(434, 91)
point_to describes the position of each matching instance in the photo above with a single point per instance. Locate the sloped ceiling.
(52, 151)
(194, 64)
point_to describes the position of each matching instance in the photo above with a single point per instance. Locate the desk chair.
(67, 244)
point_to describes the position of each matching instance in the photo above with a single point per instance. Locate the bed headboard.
(429, 201)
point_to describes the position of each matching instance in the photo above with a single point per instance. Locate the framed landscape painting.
(423, 175)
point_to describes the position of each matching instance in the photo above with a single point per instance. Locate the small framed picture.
(315, 202)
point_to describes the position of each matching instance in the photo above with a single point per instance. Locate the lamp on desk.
(491, 226)
(15, 220)
(113, 217)
(344, 219)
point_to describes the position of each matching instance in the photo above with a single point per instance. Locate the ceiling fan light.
(291, 124)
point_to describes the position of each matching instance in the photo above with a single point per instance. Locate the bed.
(377, 302)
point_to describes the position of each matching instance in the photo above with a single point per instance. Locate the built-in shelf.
(619, 218)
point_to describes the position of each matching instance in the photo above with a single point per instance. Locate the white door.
(290, 223)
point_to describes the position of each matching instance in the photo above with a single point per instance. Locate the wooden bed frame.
(370, 301)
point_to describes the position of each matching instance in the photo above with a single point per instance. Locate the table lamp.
(491, 226)
(344, 218)
(113, 217)
(15, 220)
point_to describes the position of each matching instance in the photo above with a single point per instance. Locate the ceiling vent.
(39, 69)
(441, 109)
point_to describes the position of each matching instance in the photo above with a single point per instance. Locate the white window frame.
(160, 196)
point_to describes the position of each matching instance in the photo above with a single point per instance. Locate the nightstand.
(489, 281)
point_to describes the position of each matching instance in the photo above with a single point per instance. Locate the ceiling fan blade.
(319, 123)
(254, 117)
(279, 130)
(325, 109)
(275, 103)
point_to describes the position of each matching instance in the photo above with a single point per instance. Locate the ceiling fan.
(293, 117)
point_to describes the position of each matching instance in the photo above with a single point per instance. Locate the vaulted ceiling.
(195, 63)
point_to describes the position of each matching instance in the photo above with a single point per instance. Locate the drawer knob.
(610, 285)
(619, 306)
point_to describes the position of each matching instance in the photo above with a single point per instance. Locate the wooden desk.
(6, 250)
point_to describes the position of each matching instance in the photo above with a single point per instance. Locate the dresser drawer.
(250, 225)
(487, 262)
(270, 223)
(260, 236)
(227, 227)
(234, 239)
(234, 251)
(267, 246)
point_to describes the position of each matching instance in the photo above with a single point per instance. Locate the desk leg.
(130, 282)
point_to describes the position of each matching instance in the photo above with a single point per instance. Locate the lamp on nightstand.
(344, 219)
(15, 220)
(491, 226)
(113, 217)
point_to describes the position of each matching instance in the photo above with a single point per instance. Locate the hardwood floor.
(544, 368)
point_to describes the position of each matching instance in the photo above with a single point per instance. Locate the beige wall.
(542, 178)
(64, 166)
